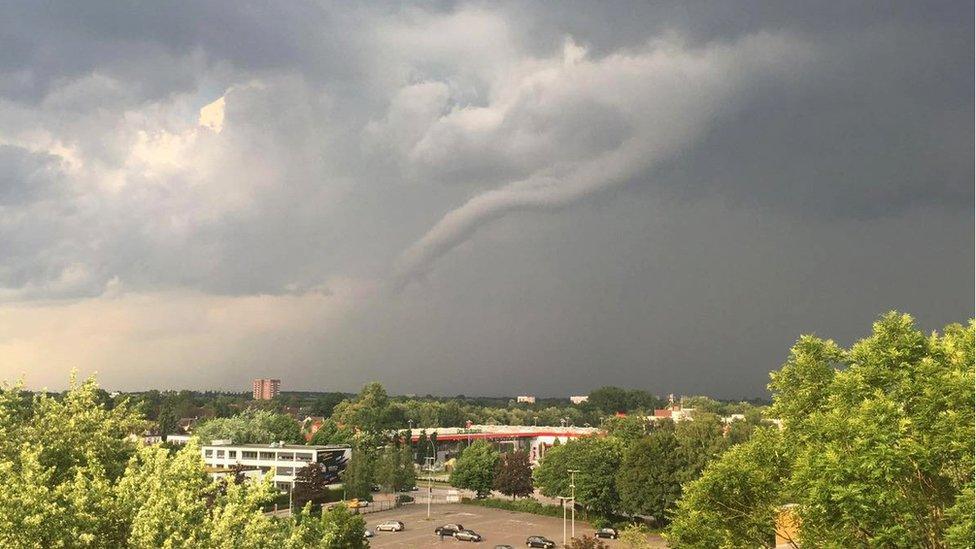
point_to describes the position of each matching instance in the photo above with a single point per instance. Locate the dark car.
(448, 529)
(610, 533)
(540, 541)
(467, 535)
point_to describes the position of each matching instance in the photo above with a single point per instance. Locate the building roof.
(281, 447)
(496, 432)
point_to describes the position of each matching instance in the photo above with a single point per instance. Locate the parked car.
(448, 529)
(390, 525)
(357, 503)
(374, 487)
(467, 535)
(368, 533)
(503, 547)
(540, 541)
(610, 533)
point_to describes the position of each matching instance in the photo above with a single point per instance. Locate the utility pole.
(572, 486)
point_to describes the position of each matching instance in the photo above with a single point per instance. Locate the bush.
(527, 505)
(404, 498)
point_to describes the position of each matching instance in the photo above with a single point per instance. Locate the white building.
(579, 399)
(285, 460)
(526, 399)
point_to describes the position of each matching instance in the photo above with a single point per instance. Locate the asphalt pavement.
(496, 526)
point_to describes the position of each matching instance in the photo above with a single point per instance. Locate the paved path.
(495, 525)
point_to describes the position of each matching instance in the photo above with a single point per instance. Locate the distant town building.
(525, 399)
(147, 437)
(186, 424)
(266, 389)
(579, 399)
(311, 425)
(178, 439)
(449, 441)
(282, 460)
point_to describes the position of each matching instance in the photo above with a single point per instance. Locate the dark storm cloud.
(669, 191)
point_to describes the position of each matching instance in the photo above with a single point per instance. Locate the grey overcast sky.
(475, 197)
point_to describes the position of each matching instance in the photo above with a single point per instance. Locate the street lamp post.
(572, 486)
(429, 465)
(563, 500)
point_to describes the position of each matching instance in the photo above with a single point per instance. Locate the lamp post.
(429, 465)
(572, 486)
(563, 500)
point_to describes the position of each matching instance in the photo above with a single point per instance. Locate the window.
(232, 454)
(249, 455)
(300, 456)
(285, 471)
(267, 455)
(208, 453)
(220, 453)
(286, 456)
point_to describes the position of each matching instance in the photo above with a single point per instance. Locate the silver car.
(467, 535)
(390, 526)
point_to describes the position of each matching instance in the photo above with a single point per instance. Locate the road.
(495, 525)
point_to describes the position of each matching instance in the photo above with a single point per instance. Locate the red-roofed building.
(533, 439)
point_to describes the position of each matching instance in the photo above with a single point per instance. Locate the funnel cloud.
(475, 198)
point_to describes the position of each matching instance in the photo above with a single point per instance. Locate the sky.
(480, 198)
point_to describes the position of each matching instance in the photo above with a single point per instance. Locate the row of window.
(249, 454)
(279, 471)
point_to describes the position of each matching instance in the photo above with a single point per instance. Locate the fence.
(377, 506)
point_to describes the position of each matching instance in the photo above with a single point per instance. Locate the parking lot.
(496, 526)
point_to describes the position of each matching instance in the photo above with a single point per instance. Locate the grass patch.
(529, 505)
(524, 505)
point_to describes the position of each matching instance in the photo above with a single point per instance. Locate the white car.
(368, 533)
(390, 526)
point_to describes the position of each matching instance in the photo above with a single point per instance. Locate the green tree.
(649, 479)
(311, 486)
(628, 428)
(252, 427)
(336, 528)
(597, 459)
(475, 468)
(358, 477)
(699, 442)
(876, 448)
(634, 536)
(325, 404)
(734, 503)
(70, 476)
(514, 475)
(395, 470)
(330, 433)
(344, 529)
(370, 411)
